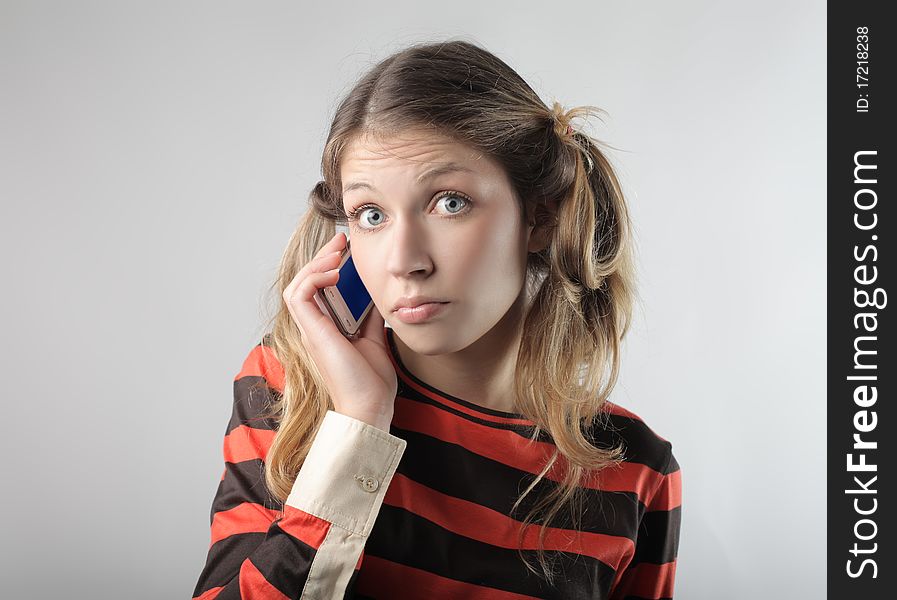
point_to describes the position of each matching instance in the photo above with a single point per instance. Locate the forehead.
(410, 152)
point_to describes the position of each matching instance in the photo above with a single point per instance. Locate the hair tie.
(560, 116)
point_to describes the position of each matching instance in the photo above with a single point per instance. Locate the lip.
(412, 301)
(420, 313)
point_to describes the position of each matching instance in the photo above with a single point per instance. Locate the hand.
(358, 373)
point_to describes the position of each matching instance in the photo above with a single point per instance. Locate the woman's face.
(435, 218)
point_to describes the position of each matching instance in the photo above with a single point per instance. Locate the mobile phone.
(348, 302)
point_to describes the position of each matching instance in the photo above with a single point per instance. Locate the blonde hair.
(581, 283)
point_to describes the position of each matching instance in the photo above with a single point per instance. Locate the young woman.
(465, 448)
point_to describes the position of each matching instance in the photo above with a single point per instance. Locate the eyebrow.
(428, 174)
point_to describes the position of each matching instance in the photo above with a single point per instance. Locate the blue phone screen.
(352, 289)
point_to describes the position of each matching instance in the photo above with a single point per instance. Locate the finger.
(337, 242)
(306, 310)
(325, 264)
(321, 262)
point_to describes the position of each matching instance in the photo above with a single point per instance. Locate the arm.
(313, 548)
(652, 572)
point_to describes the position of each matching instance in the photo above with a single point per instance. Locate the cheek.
(489, 259)
(370, 271)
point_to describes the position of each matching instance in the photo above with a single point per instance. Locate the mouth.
(421, 312)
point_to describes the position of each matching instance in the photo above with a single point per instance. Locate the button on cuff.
(368, 483)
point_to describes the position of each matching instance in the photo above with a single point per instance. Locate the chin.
(429, 340)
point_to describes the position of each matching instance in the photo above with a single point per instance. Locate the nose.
(409, 253)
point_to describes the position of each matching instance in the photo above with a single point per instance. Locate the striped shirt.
(424, 511)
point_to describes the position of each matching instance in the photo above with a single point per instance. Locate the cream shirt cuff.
(347, 471)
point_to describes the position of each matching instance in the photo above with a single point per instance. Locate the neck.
(482, 373)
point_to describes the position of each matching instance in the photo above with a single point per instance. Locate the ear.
(541, 223)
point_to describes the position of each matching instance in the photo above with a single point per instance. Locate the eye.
(361, 210)
(369, 217)
(453, 205)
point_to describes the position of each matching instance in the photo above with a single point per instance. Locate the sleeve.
(313, 547)
(652, 572)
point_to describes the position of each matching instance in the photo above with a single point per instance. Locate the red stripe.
(254, 585)
(629, 477)
(669, 496)
(304, 526)
(262, 362)
(514, 450)
(247, 443)
(247, 517)
(209, 594)
(647, 580)
(491, 527)
(608, 406)
(381, 574)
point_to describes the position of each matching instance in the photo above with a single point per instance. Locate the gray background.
(155, 157)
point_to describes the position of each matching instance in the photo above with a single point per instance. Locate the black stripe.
(224, 560)
(353, 582)
(231, 592)
(455, 471)
(674, 464)
(479, 563)
(641, 445)
(252, 397)
(243, 482)
(645, 445)
(658, 536)
(525, 431)
(284, 561)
